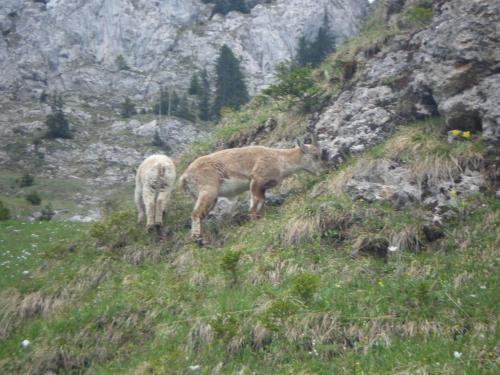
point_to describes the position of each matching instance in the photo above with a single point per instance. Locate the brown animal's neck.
(292, 161)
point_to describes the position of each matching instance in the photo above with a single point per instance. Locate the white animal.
(154, 181)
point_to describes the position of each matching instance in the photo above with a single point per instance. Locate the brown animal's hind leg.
(258, 193)
(206, 201)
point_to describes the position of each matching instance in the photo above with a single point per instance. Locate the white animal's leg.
(161, 203)
(139, 204)
(148, 196)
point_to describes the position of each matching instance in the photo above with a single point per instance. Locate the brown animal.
(230, 172)
(154, 182)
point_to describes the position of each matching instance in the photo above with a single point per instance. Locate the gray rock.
(89, 217)
(384, 181)
(72, 45)
(451, 68)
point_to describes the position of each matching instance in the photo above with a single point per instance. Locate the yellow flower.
(456, 132)
(380, 283)
(466, 134)
(453, 193)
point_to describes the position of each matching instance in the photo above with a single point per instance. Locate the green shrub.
(305, 285)
(225, 327)
(4, 212)
(275, 317)
(127, 108)
(121, 63)
(229, 264)
(56, 122)
(118, 230)
(27, 180)
(419, 15)
(295, 85)
(34, 198)
(47, 213)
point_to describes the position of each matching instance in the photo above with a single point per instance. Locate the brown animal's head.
(311, 157)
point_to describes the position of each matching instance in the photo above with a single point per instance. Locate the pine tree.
(316, 51)
(128, 108)
(184, 110)
(174, 103)
(56, 122)
(324, 44)
(303, 52)
(121, 63)
(194, 86)
(161, 107)
(204, 104)
(226, 6)
(231, 90)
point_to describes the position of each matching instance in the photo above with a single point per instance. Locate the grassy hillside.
(284, 294)
(297, 292)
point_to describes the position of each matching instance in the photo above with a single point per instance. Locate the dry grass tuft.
(138, 255)
(185, 261)
(302, 228)
(261, 336)
(198, 278)
(371, 245)
(462, 279)
(236, 343)
(408, 238)
(98, 341)
(201, 334)
(275, 272)
(17, 308)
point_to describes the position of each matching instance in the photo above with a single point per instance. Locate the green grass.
(121, 303)
(24, 245)
(282, 295)
(62, 193)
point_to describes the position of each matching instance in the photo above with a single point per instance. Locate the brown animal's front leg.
(204, 204)
(258, 193)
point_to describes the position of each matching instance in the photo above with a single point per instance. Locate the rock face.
(72, 45)
(450, 68)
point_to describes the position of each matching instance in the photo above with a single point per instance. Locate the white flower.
(26, 273)
(482, 287)
(393, 248)
(473, 295)
(195, 368)
(457, 355)
(25, 343)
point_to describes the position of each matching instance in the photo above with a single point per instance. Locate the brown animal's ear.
(300, 144)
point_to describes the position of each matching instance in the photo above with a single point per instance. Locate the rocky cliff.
(449, 68)
(416, 60)
(73, 45)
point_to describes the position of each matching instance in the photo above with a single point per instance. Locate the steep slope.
(72, 47)
(387, 264)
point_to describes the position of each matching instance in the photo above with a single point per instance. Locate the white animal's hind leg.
(161, 202)
(148, 197)
(139, 204)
